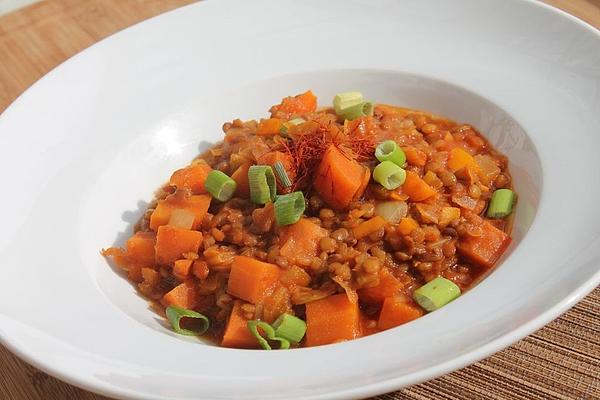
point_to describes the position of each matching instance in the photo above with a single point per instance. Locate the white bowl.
(87, 145)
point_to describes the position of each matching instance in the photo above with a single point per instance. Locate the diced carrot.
(140, 249)
(267, 127)
(369, 226)
(183, 295)
(181, 269)
(197, 204)
(191, 177)
(407, 225)
(397, 311)
(416, 188)
(459, 159)
(364, 183)
(301, 238)
(415, 156)
(240, 176)
(139, 252)
(486, 249)
(388, 286)
(200, 269)
(250, 279)
(332, 319)
(172, 243)
(300, 104)
(118, 256)
(338, 179)
(237, 333)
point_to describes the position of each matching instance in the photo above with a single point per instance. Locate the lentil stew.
(316, 226)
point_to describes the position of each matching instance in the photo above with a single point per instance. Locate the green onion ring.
(253, 326)
(263, 186)
(175, 314)
(289, 327)
(219, 185)
(389, 175)
(390, 151)
(289, 208)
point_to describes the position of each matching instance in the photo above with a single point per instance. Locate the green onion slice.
(263, 186)
(436, 293)
(219, 185)
(357, 111)
(343, 101)
(292, 122)
(501, 204)
(284, 179)
(389, 175)
(296, 121)
(176, 314)
(289, 327)
(390, 151)
(253, 326)
(368, 108)
(289, 208)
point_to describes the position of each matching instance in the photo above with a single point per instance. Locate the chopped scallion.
(284, 179)
(436, 293)
(253, 327)
(176, 314)
(263, 186)
(368, 108)
(355, 111)
(219, 185)
(351, 105)
(502, 203)
(343, 101)
(289, 327)
(289, 208)
(390, 151)
(296, 121)
(389, 175)
(292, 122)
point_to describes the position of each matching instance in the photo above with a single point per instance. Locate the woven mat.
(561, 361)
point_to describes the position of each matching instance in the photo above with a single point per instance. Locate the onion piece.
(182, 218)
(488, 169)
(391, 211)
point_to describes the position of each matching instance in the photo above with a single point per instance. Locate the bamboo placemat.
(560, 361)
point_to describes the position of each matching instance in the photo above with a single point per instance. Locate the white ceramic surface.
(85, 147)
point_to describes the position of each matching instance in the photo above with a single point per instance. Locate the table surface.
(561, 361)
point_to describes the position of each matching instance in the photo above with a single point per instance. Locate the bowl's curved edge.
(556, 10)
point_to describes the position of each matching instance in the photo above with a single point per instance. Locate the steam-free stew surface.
(354, 259)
